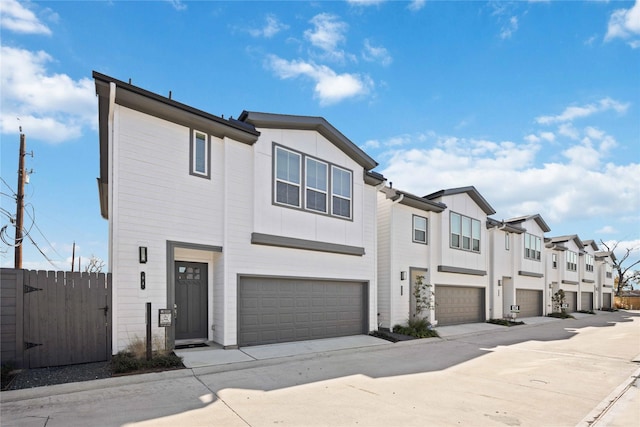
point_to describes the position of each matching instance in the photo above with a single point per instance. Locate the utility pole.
(20, 201)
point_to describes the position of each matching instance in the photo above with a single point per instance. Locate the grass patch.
(561, 315)
(134, 360)
(505, 322)
(418, 328)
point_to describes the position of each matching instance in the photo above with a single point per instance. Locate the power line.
(43, 254)
(34, 224)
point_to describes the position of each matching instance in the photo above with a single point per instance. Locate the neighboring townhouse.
(562, 270)
(604, 279)
(588, 275)
(249, 231)
(459, 251)
(517, 267)
(405, 242)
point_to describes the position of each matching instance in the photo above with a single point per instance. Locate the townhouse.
(273, 228)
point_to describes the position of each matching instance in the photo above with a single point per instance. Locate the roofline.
(471, 191)
(536, 217)
(412, 200)
(319, 124)
(504, 225)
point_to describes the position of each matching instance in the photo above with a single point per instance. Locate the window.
(199, 159)
(506, 241)
(532, 247)
(609, 271)
(287, 177)
(303, 182)
(465, 232)
(572, 261)
(554, 260)
(419, 229)
(341, 192)
(588, 259)
(316, 184)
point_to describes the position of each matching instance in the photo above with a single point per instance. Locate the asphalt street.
(554, 373)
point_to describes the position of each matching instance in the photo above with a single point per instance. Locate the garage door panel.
(606, 301)
(530, 302)
(291, 309)
(571, 298)
(586, 302)
(458, 304)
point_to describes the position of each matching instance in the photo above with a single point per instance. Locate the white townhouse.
(405, 245)
(249, 231)
(588, 275)
(459, 261)
(562, 270)
(604, 279)
(517, 267)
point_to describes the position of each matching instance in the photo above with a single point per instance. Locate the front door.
(191, 301)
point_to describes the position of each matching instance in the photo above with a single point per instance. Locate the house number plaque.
(165, 317)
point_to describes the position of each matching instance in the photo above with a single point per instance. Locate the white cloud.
(271, 27)
(49, 107)
(568, 130)
(607, 229)
(416, 5)
(625, 24)
(17, 18)
(510, 28)
(508, 175)
(575, 112)
(177, 4)
(376, 54)
(327, 34)
(330, 87)
(365, 2)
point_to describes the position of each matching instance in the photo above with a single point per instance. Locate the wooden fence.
(54, 318)
(628, 303)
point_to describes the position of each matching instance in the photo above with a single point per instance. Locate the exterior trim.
(171, 280)
(460, 270)
(373, 178)
(530, 274)
(310, 245)
(471, 191)
(588, 281)
(207, 159)
(569, 282)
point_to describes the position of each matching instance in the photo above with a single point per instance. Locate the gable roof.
(319, 124)
(604, 254)
(504, 225)
(150, 103)
(557, 242)
(412, 200)
(590, 243)
(471, 191)
(537, 218)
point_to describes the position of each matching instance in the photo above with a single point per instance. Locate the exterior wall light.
(403, 275)
(142, 254)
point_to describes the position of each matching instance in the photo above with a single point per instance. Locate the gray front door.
(191, 300)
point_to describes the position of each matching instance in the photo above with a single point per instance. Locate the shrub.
(587, 311)
(505, 322)
(419, 328)
(134, 358)
(561, 315)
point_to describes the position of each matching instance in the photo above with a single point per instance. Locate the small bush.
(561, 315)
(419, 328)
(134, 358)
(587, 311)
(505, 322)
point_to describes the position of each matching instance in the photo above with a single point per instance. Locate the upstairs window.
(465, 232)
(341, 192)
(199, 154)
(609, 271)
(419, 229)
(588, 259)
(532, 247)
(506, 241)
(316, 184)
(572, 261)
(554, 260)
(287, 177)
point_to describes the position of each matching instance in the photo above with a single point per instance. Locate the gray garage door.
(586, 300)
(530, 302)
(272, 310)
(571, 298)
(606, 300)
(458, 304)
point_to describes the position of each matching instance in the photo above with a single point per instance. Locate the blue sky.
(536, 104)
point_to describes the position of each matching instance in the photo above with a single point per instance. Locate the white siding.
(384, 260)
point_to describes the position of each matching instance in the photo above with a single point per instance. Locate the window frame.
(572, 261)
(276, 179)
(193, 153)
(472, 225)
(589, 263)
(532, 247)
(554, 260)
(506, 241)
(340, 196)
(307, 187)
(414, 229)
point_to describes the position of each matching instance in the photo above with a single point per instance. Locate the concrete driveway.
(552, 373)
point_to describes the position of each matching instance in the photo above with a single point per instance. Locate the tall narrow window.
(287, 177)
(316, 184)
(466, 232)
(532, 247)
(341, 192)
(475, 235)
(455, 230)
(419, 229)
(554, 260)
(199, 154)
(506, 241)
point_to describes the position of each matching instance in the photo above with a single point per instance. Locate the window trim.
(554, 260)
(303, 184)
(307, 187)
(461, 235)
(193, 153)
(414, 229)
(532, 247)
(572, 256)
(506, 241)
(589, 263)
(287, 182)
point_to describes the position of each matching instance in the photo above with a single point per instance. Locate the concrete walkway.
(548, 372)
